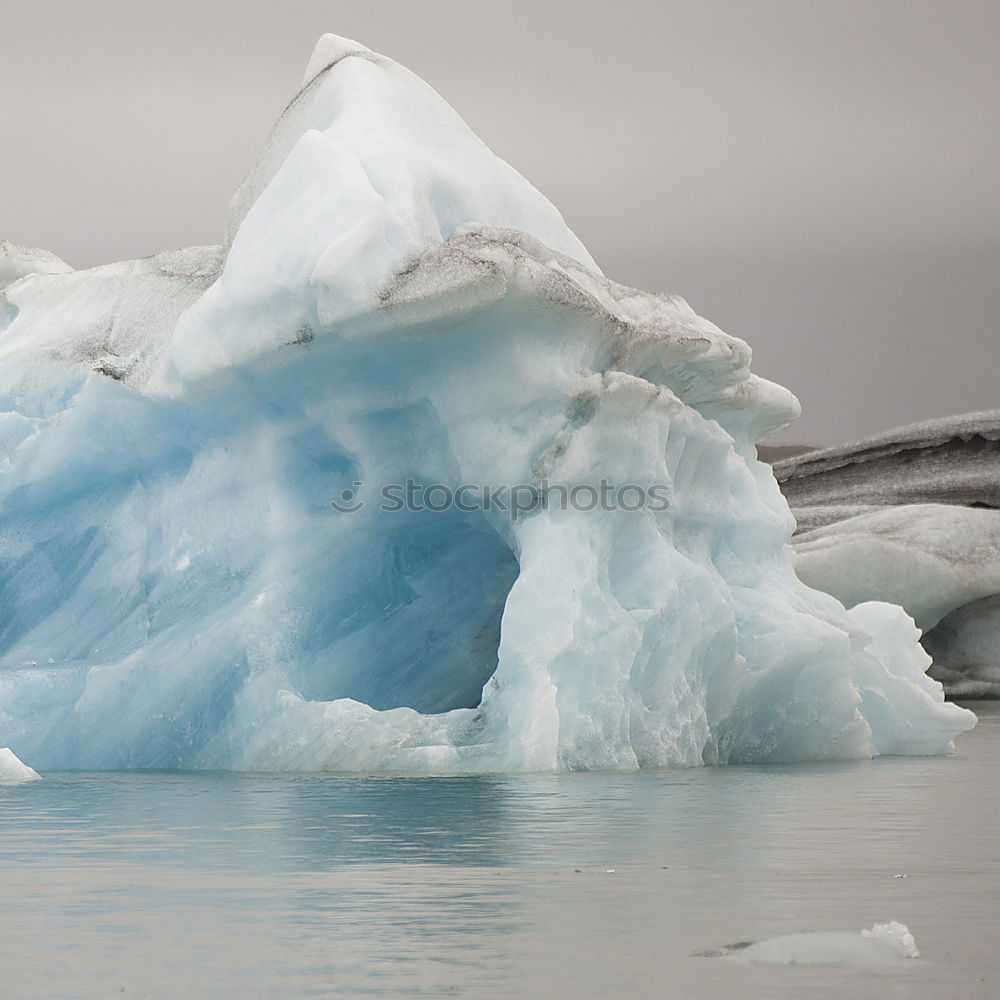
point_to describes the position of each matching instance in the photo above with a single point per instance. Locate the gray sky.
(821, 179)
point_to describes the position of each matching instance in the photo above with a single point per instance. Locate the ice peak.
(330, 49)
(17, 261)
(367, 168)
(375, 148)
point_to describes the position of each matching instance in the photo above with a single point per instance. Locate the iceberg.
(210, 551)
(911, 517)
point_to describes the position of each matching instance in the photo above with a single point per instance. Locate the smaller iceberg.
(14, 771)
(884, 943)
(911, 517)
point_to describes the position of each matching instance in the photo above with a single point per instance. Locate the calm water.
(221, 885)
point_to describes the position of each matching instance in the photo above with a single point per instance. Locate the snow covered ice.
(394, 302)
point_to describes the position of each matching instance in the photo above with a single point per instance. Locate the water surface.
(584, 885)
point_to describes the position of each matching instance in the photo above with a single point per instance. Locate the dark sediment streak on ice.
(954, 460)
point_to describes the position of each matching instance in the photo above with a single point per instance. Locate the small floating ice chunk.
(13, 771)
(895, 935)
(883, 943)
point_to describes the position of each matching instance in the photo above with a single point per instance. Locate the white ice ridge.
(13, 771)
(397, 303)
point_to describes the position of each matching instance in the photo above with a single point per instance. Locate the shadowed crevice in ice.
(425, 603)
(965, 650)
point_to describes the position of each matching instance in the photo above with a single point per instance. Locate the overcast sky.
(820, 179)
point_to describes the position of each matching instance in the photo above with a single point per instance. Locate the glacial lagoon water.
(168, 884)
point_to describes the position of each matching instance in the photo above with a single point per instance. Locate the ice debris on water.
(884, 943)
(14, 771)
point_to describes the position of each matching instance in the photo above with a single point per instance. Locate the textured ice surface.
(929, 558)
(12, 770)
(397, 303)
(884, 943)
